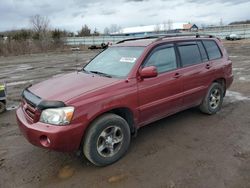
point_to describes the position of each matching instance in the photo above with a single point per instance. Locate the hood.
(68, 86)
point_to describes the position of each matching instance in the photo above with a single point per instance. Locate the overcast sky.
(72, 14)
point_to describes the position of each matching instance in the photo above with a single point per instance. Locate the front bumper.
(61, 138)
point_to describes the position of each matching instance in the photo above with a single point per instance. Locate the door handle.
(208, 66)
(177, 75)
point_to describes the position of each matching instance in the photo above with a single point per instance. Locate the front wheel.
(107, 140)
(212, 102)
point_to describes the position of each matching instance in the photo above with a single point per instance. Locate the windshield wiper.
(101, 73)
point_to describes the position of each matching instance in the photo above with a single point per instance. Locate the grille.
(29, 103)
(29, 110)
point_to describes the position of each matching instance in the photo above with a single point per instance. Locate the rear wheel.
(2, 107)
(212, 102)
(107, 140)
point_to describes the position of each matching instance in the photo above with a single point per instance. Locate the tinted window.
(189, 54)
(213, 50)
(163, 59)
(202, 51)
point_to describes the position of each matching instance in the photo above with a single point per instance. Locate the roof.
(188, 26)
(150, 28)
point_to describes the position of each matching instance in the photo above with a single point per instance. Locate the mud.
(188, 149)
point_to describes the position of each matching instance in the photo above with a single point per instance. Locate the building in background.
(190, 27)
(168, 27)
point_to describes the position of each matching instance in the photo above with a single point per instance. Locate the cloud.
(218, 1)
(71, 15)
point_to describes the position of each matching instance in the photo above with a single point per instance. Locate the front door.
(161, 95)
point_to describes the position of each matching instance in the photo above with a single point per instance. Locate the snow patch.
(11, 108)
(238, 69)
(19, 83)
(24, 67)
(242, 78)
(233, 96)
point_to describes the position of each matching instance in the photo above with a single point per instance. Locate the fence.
(242, 30)
(221, 32)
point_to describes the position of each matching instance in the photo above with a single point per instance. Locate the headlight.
(57, 116)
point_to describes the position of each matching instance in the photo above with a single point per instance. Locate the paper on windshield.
(128, 59)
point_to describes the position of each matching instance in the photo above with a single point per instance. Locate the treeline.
(28, 34)
(38, 38)
(240, 22)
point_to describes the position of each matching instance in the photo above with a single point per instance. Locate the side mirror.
(148, 72)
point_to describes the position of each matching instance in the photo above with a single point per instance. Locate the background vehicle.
(233, 37)
(127, 86)
(2, 98)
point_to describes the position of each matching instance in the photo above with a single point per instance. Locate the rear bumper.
(60, 138)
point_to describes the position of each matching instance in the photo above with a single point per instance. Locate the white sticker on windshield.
(128, 59)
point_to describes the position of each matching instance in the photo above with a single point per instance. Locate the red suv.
(128, 85)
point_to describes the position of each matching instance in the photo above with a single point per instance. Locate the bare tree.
(165, 26)
(221, 22)
(106, 31)
(85, 31)
(40, 27)
(157, 28)
(114, 28)
(40, 24)
(170, 24)
(96, 32)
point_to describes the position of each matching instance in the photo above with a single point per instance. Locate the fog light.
(45, 141)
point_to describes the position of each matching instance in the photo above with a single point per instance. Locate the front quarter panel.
(121, 95)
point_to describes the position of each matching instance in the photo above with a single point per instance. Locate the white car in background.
(233, 37)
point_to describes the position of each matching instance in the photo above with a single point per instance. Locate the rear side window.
(213, 50)
(202, 51)
(164, 59)
(190, 54)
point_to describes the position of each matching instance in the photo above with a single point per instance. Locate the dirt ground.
(188, 149)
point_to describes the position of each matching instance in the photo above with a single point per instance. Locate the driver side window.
(163, 58)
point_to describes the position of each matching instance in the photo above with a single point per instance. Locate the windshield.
(114, 61)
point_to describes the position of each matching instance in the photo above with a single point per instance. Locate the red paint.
(148, 99)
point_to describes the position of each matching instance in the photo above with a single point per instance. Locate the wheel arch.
(123, 112)
(221, 81)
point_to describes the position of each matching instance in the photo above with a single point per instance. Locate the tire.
(213, 100)
(2, 107)
(106, 140)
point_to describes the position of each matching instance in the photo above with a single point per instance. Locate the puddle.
(117, 178)
(17, 76)
(242, 78)
(238, 69)
(233, 96)
(24, 67)
(14, 107)
(66, 172)
(19, 83)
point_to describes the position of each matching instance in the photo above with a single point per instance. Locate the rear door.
(195, 71)
(160, 95)
(217, 63)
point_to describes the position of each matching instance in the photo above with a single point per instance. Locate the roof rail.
(163, 36)
(138, 38)
(196, 35)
